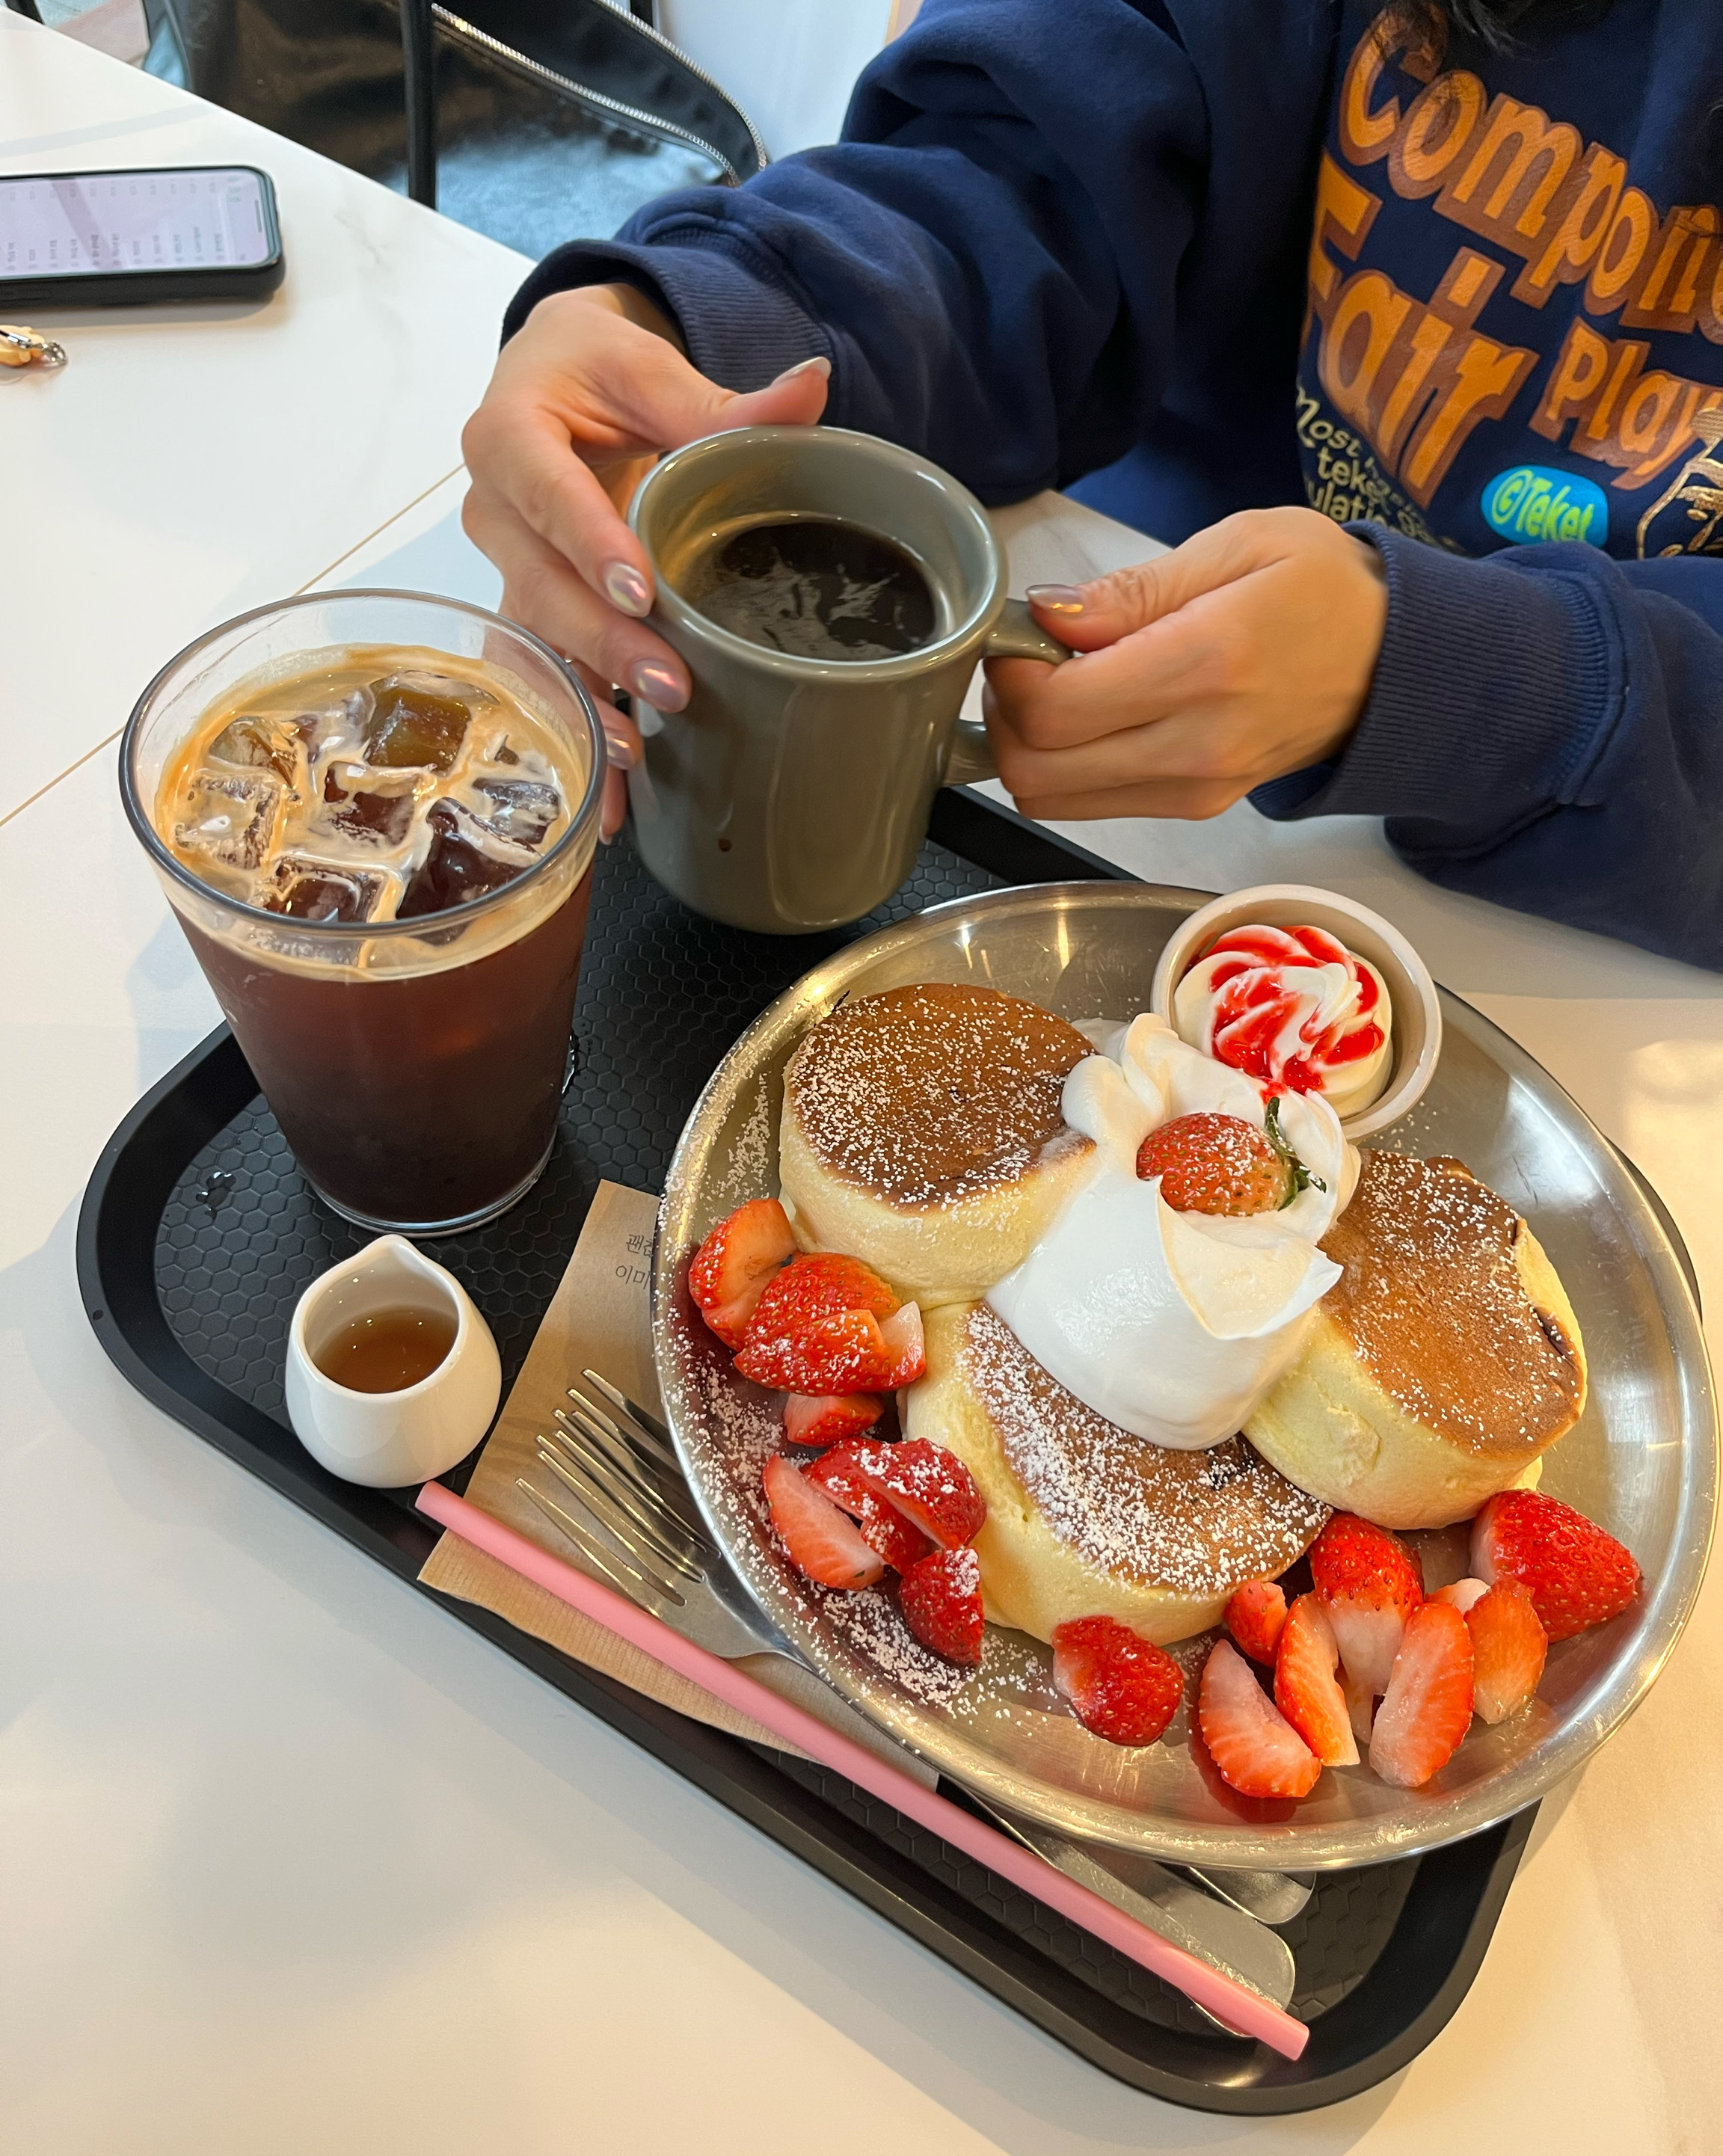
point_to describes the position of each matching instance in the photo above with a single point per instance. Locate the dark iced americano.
(387, 890)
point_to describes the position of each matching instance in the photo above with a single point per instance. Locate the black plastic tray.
(198, 1235)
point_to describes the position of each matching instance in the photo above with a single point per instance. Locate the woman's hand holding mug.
(1243, 654)
(593, 388)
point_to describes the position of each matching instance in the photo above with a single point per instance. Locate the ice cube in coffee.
(331, 815)
(365, 792)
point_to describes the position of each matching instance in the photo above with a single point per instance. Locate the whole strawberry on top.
(1216, 1163)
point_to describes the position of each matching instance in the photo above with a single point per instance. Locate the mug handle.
(1016, 634)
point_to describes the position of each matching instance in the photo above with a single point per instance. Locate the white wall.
(789, 63)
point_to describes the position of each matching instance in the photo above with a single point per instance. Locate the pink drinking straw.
(1239, 2005)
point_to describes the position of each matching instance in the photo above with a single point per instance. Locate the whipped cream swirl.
(1294, 1008)
(1173, 1325)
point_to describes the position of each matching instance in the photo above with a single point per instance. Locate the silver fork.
(641, 1532)
(1272, 1897)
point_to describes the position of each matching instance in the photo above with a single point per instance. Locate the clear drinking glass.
(414, 1066)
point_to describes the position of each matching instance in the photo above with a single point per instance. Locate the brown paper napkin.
(600, 1319)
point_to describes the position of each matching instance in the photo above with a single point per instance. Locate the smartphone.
(118, 239)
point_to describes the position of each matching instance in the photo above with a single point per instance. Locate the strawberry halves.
(1121, 1686)
(732, 1270)
(1255, 1747)
(1307, 1688)
(1370, 1584)
(929, 1486)
(880, 1525)
(1576, 1574)
(941, 1599)
(1254, 1616)
(1428, 1707)
(822, 1542)
(829, 1417)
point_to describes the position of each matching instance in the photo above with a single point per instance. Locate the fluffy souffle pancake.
(1084, 1520)
(922, 1131)
(1441, 1365)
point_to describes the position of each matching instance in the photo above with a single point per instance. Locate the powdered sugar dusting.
(929, 1095)
(748, 1170)
(744, 1427)
(1431, 1296)
(870, 1622)
(1197, 1523)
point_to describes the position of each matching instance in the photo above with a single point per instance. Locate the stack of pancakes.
(922, 1131)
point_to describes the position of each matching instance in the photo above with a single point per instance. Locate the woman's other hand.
(1243, 654)
(593, 387)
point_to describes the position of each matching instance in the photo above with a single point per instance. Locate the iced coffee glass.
(375, 815)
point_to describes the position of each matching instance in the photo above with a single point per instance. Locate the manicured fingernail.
(620, 752)
(1056, 598)
(819, 364)
(657, 685)
(626, 589)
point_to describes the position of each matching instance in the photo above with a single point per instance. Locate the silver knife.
(1216, 1932)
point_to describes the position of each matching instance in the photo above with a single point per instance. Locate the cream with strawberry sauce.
(1293, 1008)
(1174, 1324)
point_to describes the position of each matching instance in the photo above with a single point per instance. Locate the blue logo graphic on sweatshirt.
(1532, 502)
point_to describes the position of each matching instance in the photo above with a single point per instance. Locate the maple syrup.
(388, 1351)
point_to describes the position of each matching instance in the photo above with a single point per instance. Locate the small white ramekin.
(1417, 1032)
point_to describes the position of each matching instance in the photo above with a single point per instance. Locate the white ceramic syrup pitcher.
(386, 1439)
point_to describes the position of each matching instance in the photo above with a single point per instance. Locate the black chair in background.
(534, 121)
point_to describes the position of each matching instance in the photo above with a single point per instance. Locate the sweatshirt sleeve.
(1034, 202)
(1545, 729)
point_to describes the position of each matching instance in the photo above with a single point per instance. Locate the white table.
(242, 1772)
(191, 462)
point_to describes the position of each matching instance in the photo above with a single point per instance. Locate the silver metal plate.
(1643, 1461)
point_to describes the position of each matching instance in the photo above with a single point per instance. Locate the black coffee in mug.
(814, 588)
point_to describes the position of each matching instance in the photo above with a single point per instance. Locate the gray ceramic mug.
(793, 794)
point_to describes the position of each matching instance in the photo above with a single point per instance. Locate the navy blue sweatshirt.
(1189, 256)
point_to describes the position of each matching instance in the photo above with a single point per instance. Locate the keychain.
(22, 347)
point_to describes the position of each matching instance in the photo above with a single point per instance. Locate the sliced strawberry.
(823, 1543)
(1120, 1685)
(940, 1599)
(820, 1284)
(1509, 1648)
(880, 1526)
(1361, 1704)
(816, 1330)
(905, 1343)
(1576, 1575)
(731, 1271)
(1216, 1163)
(1255, 1615)
(1428, 1707)
(829, 1417)
(840, 1353)
(929, 1486)
(1306, 1686)
(1460, 1593)
(1370, 1585)
(1256, 1749)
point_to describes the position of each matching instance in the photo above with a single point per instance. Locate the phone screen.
(105, 224)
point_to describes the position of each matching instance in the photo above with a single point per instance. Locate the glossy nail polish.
(620, 752)
(819, 364)
(1056, 598)
(626, 589)
(657, 685)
